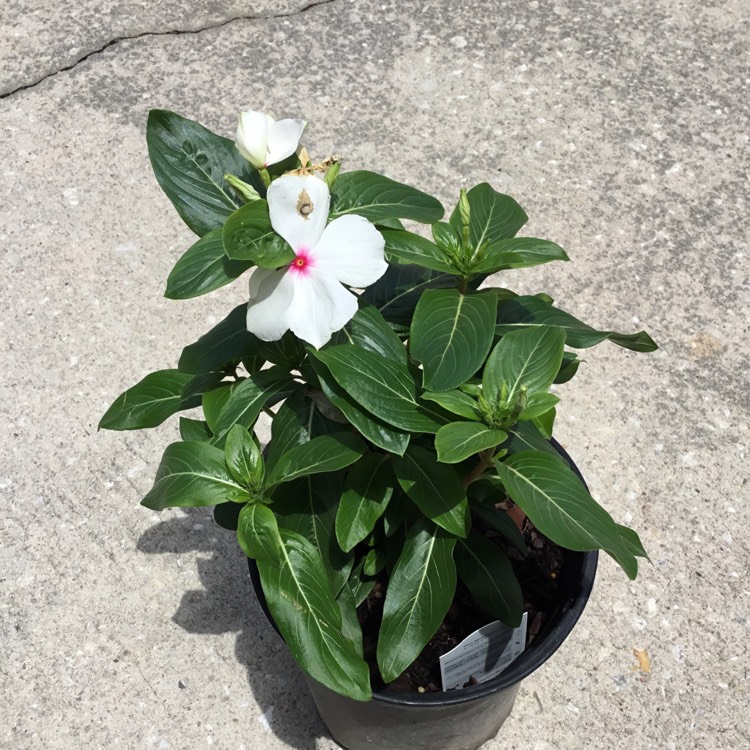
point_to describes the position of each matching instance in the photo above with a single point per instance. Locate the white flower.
(307, 296)
(263, 141)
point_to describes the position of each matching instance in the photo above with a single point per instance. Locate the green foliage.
(243, 458)
(384, 388)
(299, 596)
(532, 312)
(458, 441)
(149, 402)
(203, 268)
(192, 475)
(560, 506)
(396, 445)
(420, 591)
(367, 490)
(488, 574)
(493, 216)
(307, 506)
(451, 334)
(225, 344)
(376, 198)
(321, 454)
(190, 162)
(435, 488)
(249, 236)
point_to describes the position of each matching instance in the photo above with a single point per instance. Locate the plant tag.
(482, 655)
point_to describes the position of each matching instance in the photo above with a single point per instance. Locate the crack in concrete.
(170, 32)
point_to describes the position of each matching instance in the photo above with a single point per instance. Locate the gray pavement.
(623, 131)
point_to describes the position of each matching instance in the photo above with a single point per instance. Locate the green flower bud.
(332, 174)
(248, 192)
(464, 211)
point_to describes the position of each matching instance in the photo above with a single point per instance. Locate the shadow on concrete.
(227, 603)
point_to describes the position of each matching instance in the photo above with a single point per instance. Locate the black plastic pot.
(460, 719)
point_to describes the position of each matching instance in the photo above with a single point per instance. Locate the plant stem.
(485, 461)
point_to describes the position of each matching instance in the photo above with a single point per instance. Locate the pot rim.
(579, 580)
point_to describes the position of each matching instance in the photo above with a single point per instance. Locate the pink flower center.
(302, 263)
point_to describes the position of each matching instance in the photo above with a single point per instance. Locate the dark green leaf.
(203, 268)
(149, 402)
(447, 238)
(382, 387)
(560, 506)
(407, 248)
(374, 561)
(532, 312)
(488, 574)
(498, 520)
(258, 533)
(377, 198)
(526, 436)
(529, 358)
(322, 454)
(537, 405)
(243, 457)
(288, 351)
(398, 291)
(458, 441)
(456, 402)
(192, 475)
(360, 584)
(518, 252)
(194, 430)
(227, 342)
(397, 512)
(435, 488)
(213, 403)
(350, 626)
(367, 491)
(495, 261)
(227, 515)
(370, 330)
(190, 162)
(307, 506)
(373, 429)
(247, 400)
(420, 591)
(303, 607)
(193, 392)
(494, 216)
(545, 422)
(568, 368)
(249, 236)
(389, 223)
(291, 426)
(451, 334)
(630, 549)
(632, 542)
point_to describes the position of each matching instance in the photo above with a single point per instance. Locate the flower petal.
(271, 298)
(252, 137)
(351, 250)
(321, 306)
(299, 206)
(283, 139)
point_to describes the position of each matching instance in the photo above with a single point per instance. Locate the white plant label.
(482, 655)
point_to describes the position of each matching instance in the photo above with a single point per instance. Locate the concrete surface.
(621, 128)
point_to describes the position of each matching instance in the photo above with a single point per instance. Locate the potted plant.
(410, 480)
